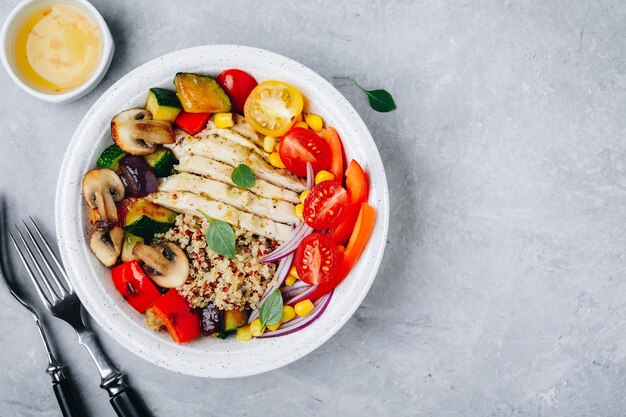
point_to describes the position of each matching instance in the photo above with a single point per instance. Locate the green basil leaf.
(380, 100)
(271, 310)
(220, 237)
(242, 176)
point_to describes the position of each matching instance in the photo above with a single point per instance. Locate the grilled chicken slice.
(189, 203)
(220, 172)
(279, 211)
(228, 152)
(244, 129)
(235, 137)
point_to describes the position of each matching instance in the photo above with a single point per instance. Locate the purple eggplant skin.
(138, 177)
(212, 319)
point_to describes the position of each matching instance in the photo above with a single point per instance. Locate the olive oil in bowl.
(57, 48)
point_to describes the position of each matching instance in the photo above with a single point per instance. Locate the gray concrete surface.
(502, 289)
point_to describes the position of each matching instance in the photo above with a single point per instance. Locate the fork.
(60, 384)
(59, 297)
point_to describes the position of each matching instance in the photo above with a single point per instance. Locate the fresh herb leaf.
(271, 310)
(380, 100)
(242, 176)
(220, 237)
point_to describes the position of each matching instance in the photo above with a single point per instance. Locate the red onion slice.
(281, 273)
(310, 176)
(302, 296)
(301, 322)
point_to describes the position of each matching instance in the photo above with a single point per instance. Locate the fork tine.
(43, 258)
(51, 253)
(43, 297)
(53, 295)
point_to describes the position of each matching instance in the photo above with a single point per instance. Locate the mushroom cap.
(106, 243)
(102, 187)
(166, 263)
(137, 133)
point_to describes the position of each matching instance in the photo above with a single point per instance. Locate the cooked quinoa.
(228, 283)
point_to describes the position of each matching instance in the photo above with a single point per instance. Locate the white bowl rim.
(185, 358)
(108, 48)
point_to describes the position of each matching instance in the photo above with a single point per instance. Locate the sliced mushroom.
(166, 263)
(137, 133)
(102, 187)
(106, 243)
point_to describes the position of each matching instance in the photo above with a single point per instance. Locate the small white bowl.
(7, 41)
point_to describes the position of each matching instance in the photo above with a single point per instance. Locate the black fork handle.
(66, 398)
(126, 404)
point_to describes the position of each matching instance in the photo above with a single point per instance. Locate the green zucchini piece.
(235, 319)
(200, 94)
(145, 219)
(128, 245)
(110, 157)
(162, 162)
(163, 104)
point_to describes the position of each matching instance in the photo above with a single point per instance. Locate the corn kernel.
(273, 327)
(299, 209)
(243, 333)
(294, 272)
(301, 124)
(324, 175)
(303, 195)
(268, 144)
(275, 160)
(299, 117)
(290, 280)
(303, 308)
(255, 328)
(277, 146)
(288, 314)
(223, 120)
(314, 121)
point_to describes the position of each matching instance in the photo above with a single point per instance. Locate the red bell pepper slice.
(361, 234)
(331, 137)
(181, 321)
(135, 286)
(356, 183)
(192, 123)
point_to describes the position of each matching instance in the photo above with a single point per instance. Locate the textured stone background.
(502, 288)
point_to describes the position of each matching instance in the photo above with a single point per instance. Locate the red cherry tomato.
(317, 260)
(325, 205)
(238, 84)
(299, 146)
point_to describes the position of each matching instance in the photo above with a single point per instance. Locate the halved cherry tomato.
(300, 146)
(238, 84)
(192, 123)
(359, 238)
(317, 259)
(272, 107)
(135, 286)
(182, 322)
(325, 204)
(331, 137)
(356, 183)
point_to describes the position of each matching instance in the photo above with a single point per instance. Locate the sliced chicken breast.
(228, 152)
(190, 203)
(279, 211)
(220, 172)
(236, 138)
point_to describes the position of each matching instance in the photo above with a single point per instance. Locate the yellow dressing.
(57, 48)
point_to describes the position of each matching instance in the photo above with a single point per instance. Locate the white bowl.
(7, 41)
(208, 356)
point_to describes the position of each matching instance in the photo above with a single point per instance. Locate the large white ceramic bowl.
(208, 356)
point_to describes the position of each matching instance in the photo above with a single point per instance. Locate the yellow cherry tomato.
(272, 107)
